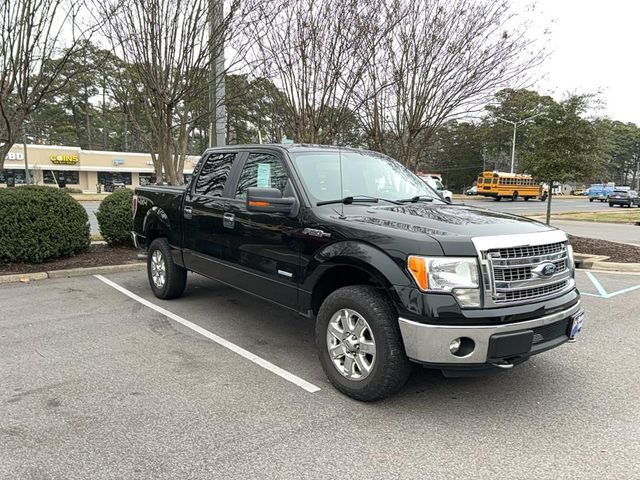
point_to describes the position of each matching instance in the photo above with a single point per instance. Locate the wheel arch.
(350, 263)
(155, 225)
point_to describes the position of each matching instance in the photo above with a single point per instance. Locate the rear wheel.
(167, 280)
(526, 199)
(497, 198)
(359, 343)
(610, 204)
(591, 199)
(514, 197)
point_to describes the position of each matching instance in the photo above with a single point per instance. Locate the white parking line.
(309, 387)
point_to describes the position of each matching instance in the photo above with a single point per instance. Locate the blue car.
(599, 191)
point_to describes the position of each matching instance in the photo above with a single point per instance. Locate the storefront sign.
(118, 161)
(14, 156)
(64, 159)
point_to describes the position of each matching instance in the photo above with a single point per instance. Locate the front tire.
(167, 280)
(359, 343)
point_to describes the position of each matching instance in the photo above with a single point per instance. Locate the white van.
(435, 182)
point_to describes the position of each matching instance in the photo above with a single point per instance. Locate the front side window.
(262, 170)
(331, 175)
(213, 174)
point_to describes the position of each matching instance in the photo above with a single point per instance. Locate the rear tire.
(591, 199)
(514, 197)
(497, 198)
(526, 199)
(610, 204)
(366, 375)
(167, 280)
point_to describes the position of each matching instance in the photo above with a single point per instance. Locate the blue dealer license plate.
(576, 324)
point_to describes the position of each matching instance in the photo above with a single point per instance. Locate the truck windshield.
(363, 174)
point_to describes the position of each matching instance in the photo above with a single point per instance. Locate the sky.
(593, 48)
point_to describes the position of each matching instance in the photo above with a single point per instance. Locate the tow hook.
(505, 365)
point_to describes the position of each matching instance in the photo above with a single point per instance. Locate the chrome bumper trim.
(428, 343)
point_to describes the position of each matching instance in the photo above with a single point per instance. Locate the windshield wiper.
(349, 200)
(417, 198)
(358, 198)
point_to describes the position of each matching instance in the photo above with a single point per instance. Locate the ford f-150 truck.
(390, 273)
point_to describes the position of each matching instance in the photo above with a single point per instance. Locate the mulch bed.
(96, 256)
(618, 252)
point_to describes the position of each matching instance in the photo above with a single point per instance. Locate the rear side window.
(213, 174)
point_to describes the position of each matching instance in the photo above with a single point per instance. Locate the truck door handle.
(188, 212)
(228, 220)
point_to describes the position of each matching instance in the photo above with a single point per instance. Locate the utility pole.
(217, 110)
(515, 127)
(27, 176)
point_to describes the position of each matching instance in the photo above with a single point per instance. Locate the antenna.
(341, 187)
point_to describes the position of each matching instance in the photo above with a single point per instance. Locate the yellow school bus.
(501, 185)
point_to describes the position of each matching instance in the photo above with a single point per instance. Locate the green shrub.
(40, 223)
(116, 218)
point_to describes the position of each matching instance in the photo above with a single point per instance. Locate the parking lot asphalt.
(91, 208)
(536, 207)
(96, 384)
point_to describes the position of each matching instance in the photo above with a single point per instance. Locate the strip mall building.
(81, 169)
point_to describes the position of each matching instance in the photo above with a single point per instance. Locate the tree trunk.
(549, 203)
(4, 150)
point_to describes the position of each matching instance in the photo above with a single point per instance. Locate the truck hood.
(452, 226)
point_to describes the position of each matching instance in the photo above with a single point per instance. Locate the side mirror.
(268, 200)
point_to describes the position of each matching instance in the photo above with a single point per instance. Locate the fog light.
(454, 346)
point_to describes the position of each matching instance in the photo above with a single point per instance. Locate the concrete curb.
(72, 272)
(597, 262)
(23, 277)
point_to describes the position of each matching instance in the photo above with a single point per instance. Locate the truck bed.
(167, 201)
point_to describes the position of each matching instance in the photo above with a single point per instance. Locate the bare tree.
(31, 33)
(317, 52)
(443, 59)
(165, 46)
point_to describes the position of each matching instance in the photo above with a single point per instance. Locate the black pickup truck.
(389, 271)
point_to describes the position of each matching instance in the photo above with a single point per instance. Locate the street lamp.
(515, 126)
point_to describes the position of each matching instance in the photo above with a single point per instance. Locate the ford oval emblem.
(544, 270)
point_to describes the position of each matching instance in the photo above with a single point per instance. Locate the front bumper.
(429, 344)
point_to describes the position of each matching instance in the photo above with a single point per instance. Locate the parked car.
(624, 197)
(472, 191)
(388, 271)
(113, 186)
(600, 191)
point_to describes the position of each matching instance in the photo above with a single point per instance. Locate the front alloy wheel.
(351, 344)
(360, 344)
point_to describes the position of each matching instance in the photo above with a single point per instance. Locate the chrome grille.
(535, 292)
(512, 274)
(523, 273)
(529, 251)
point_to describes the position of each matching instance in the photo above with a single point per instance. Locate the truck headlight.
(458, 276)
